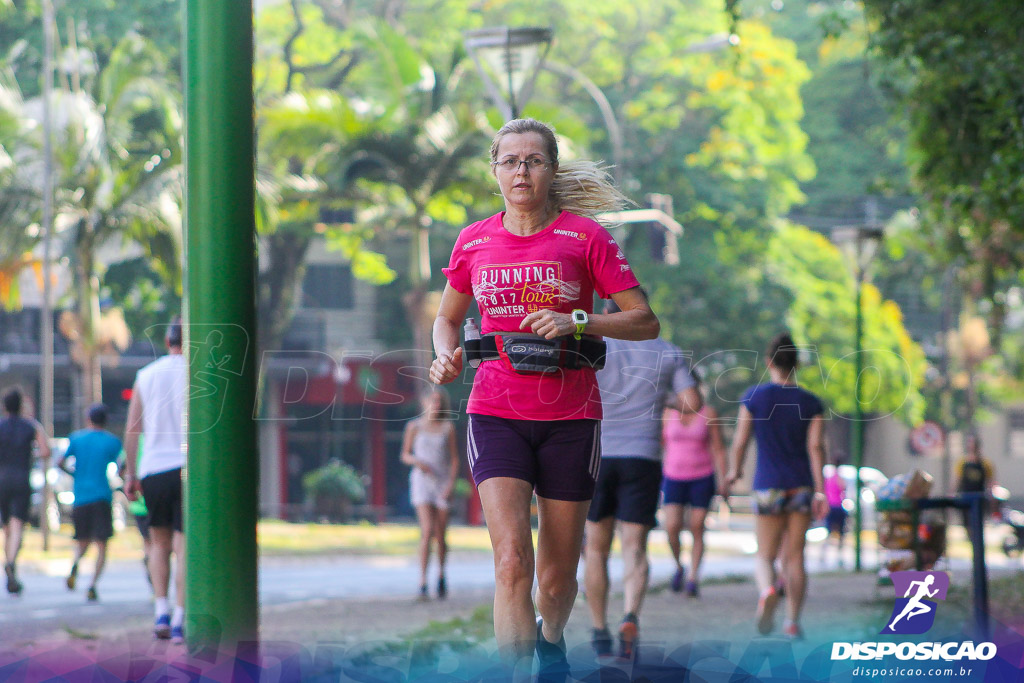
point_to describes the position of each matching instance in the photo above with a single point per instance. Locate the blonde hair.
(581, 187)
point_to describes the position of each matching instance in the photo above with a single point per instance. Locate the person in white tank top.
(428, 446)
(157, 410)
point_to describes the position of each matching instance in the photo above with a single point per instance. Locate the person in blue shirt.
(788, 424)
(93, 450)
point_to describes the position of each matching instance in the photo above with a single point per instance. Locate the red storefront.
(355, 412)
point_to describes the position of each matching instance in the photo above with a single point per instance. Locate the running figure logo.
(914, 612)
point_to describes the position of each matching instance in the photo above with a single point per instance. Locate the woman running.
(534, 421)
(693, 456)
(788, 424)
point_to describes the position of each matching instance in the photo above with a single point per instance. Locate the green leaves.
(369, 266)
(822, 318)
(956, 70)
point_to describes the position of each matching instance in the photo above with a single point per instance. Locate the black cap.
(98, 414)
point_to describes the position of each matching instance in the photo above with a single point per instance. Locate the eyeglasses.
(511, 164)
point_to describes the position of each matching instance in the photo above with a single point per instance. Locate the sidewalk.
(400, 639)
(315, 638)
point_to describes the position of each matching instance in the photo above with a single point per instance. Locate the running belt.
(531, 353)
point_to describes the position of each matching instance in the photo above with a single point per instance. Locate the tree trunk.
(286, 266)
(415, 299)
(88, 317)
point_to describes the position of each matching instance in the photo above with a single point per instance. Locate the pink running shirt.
(687, 447)
(511, 276)
(835, 490)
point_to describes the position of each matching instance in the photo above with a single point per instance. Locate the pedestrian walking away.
(89, 454)
(156, 413)
(835, 520)
(17, 437)
(428, 446)
(787, 423)
(638, 380)
(694, 471)
(974, 475)
(534, 416)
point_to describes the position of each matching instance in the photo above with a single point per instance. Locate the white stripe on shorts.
(595, 451)
(471, 452)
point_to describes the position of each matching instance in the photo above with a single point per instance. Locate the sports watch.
(580, 317)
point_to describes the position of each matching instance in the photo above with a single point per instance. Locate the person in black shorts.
(638, 380)
(93, 450)
(17, 435)
(156, 415)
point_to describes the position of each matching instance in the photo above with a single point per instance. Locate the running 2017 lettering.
(919, 651)
(515, 275)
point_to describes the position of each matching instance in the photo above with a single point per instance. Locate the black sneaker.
(424, 595)
(442, 589)
(91, 595)
(13, 585)
(629, 633)
(552, 664)
(601, 640)
(72, 577)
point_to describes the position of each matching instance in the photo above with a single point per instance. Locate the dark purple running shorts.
(560, 458)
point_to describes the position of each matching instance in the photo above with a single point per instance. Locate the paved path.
(47, 607)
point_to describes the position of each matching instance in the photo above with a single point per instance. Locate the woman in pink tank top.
(693, 452)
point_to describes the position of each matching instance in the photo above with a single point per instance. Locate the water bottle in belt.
(471, 331)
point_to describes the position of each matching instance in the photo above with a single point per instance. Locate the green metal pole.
(222, 476)
(858, 424)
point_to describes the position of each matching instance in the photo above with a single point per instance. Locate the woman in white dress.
(428, 446)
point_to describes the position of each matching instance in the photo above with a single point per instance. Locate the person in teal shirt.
(93, 450)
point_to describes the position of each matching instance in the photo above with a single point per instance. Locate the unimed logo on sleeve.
(917, 594)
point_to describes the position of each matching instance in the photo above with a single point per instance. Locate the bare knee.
(513, 566)
(557, 584)
(596, 552)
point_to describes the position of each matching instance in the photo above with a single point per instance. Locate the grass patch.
(476, 628)
(276, 538)
(80, 635)
(1005, 598)
(285, 538)
(727, 579)
(124, 545)
(434, 642)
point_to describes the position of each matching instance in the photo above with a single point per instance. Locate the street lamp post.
(862, 240)
(46, 317)
(508, 60)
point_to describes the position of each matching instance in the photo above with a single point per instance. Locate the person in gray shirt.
(639, 379)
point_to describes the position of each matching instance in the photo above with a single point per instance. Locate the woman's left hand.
(819, 506)
(549, 324)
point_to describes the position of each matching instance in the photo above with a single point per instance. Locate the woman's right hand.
(446, 367)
